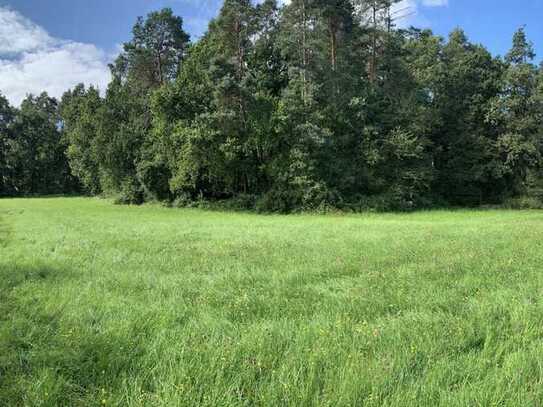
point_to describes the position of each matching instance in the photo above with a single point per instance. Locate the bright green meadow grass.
(148, 306)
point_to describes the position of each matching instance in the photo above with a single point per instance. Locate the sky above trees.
(312, 105)
(46, 45)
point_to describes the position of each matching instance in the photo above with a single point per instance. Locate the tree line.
(314, 104)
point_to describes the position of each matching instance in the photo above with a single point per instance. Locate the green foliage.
(130, 193)
(7, 115)
(522, 51)
(80, 110)
(35, 154)
(302, 106)
(524, 202)
(129, 166)
(155, 53)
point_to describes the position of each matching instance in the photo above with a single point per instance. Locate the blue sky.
(54, 44)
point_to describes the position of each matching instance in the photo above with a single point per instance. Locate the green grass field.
(148, 306)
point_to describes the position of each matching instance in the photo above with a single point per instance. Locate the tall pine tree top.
(522, 51)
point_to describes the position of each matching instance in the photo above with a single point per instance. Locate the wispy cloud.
(435, 3)
(411, 12)
(32, 61)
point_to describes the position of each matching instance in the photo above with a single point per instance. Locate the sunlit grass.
(147, 306)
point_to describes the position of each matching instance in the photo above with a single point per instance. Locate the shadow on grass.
(54, 354)
(45, 196)
(20, 319)
(4, 231)
(46, 357)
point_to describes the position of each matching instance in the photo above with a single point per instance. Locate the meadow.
(104, 305)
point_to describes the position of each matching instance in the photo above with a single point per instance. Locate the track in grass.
(147, 306)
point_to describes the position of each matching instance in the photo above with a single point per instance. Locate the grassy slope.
(106, 305)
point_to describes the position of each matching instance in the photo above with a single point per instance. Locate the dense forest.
(310, 105)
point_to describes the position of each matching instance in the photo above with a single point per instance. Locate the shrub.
(524, 202)
(131, 193)
(241, 202)
(183, 200)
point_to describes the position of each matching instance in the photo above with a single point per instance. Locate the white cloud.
(31, 61)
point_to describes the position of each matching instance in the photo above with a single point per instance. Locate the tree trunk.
(373, 62)
(304, 53)
(333, 44)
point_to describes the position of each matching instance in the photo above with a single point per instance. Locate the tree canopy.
(308, 105)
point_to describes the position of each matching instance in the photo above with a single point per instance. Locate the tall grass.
(147, 306)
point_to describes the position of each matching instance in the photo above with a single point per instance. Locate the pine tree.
(517, 114)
